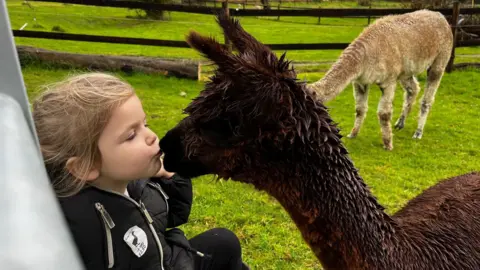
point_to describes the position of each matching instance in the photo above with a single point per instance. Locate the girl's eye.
(147, 125)
(131, 137)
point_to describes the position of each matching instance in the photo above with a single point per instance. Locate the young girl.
(105, 166)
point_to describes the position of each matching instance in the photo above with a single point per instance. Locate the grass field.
(114, 22)
(270, 240)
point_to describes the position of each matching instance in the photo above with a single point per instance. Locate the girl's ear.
(74, 167)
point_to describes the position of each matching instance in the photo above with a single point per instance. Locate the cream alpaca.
(395, 47)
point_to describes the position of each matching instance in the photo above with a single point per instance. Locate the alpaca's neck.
(339, 218)
(343, 71)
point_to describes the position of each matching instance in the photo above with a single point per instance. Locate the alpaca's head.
(252, 115)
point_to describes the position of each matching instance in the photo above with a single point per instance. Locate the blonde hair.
(69, 117)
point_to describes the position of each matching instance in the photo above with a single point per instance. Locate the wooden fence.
(452, 13)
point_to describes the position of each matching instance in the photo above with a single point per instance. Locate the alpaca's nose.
(171, 146)
(169, 143)
(176, 158)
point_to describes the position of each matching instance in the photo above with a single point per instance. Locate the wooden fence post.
(455, 13)
(279, 4)
(199, 71)
(370, 8)
(319, 18)
(227, 12)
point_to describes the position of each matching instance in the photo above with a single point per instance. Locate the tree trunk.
(266, 4)
(129, 64)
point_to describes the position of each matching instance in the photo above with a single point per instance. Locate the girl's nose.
(151, 137)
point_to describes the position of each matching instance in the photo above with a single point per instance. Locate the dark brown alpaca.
(255, 123)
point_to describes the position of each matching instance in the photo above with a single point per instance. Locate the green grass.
(270, 240)
(114, 22)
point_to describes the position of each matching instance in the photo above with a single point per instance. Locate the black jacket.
(114, 231)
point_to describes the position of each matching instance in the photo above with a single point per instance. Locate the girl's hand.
(163, 173)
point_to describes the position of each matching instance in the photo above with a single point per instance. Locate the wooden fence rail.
(320, 12)
(183, 44)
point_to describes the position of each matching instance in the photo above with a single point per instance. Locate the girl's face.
(129, 149)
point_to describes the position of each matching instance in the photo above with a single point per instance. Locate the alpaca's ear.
(209, 47)
(242, 40)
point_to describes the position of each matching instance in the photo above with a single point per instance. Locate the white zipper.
(109, 224)
(160, 189)
(149, 219)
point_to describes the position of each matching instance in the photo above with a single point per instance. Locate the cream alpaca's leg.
(434, 76)
(411, 87)
(360, 92)
(384, 112)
